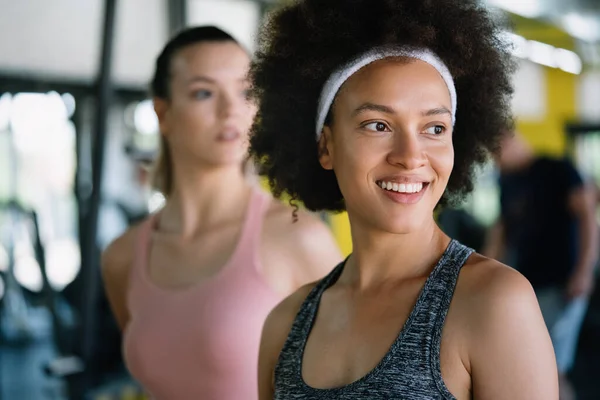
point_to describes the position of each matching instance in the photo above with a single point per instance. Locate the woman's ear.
(326, 148)
(161, 108)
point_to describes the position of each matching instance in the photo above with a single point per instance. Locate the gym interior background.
(77, 134)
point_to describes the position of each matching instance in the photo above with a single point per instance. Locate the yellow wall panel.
(341, 229)
(548, 136)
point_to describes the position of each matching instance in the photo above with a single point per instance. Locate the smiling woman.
(382, 108)
(381, 128)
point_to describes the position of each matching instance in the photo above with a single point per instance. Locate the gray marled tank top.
(411, 368)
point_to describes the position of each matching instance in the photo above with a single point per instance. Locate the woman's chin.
(402, 225)
(222, 159)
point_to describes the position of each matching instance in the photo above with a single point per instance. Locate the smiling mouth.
(406, 188)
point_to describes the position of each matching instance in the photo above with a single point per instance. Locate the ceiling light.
(542, 53)
(519, 46)
(525, 8)
(584, 28)
(568, 61)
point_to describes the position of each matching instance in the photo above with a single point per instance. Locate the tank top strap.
(142, 243)
(290, 359)
(441, 292)
(433, 304)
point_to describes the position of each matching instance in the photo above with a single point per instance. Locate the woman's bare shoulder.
(485, 284)
(305, 244)
(280, 216)
(118, 256)
(304, 233)
(504, 332)
(117, 261)
(487, 279)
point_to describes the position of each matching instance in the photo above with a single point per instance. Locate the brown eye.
(377, 127)
(436, 130)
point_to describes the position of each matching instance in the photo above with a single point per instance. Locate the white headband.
(337, 79)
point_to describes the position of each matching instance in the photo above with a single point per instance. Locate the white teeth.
(402, 187)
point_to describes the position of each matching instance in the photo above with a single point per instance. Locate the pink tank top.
(201, 342)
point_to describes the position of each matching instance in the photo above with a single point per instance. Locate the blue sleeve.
(572, 177)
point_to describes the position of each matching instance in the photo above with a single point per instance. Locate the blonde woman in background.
(191, 286)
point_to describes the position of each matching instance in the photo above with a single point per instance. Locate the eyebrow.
(205, 79)
(436, 111)
(201, 79)
(389, 110)
(372, 107)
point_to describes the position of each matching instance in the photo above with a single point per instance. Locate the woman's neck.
(379, 257)
(202, 198)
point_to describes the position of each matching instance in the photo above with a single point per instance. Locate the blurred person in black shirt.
(547, 230)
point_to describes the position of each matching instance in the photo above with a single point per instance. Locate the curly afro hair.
(303, 43)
